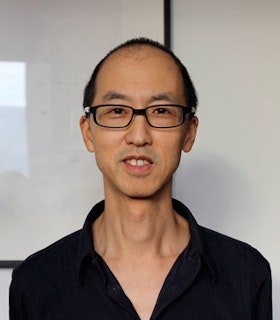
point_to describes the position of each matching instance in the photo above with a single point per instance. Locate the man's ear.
(191, 134)
(86, 133)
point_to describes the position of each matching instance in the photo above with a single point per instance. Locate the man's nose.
(139, 131)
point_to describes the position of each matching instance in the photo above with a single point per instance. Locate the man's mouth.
(137, 162)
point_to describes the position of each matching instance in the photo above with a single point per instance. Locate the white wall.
(48, 181)
(5, 278)
(231, 179)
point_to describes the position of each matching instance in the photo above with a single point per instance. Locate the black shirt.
(215, 277)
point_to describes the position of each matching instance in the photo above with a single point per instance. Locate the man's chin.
(145, 194)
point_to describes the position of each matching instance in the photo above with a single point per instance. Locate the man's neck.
(149, 227)
(140, 240)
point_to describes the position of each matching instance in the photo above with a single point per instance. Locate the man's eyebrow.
(111, 95)
(164, 96)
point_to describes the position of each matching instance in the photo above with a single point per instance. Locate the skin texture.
(139, 235)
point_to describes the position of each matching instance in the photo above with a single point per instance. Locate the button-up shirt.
(215, 277)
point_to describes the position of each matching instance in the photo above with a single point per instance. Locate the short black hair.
(189, 89)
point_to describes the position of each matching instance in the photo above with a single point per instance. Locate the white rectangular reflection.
(12, 84)
(13, 137)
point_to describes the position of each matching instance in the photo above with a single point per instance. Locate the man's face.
(138, 161)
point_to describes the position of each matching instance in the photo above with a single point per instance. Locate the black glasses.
(157, 116)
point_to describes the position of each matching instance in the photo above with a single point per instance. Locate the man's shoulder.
(228, 253)
(52, 258)
(222, 251)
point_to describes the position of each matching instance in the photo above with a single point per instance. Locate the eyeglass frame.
(143, 111)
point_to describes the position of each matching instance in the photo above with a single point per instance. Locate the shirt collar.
(196, 236)
(86, 251)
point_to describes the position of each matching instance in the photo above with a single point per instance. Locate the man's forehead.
(140, 66)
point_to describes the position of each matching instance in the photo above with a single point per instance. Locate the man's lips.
(138, 161)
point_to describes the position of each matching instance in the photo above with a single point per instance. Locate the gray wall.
(231, 179)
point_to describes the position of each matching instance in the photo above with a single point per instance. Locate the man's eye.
(162, 111)
(117, 111)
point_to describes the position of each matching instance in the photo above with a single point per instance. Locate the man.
(141, 255)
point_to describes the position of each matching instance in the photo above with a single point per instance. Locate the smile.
(137, 163)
